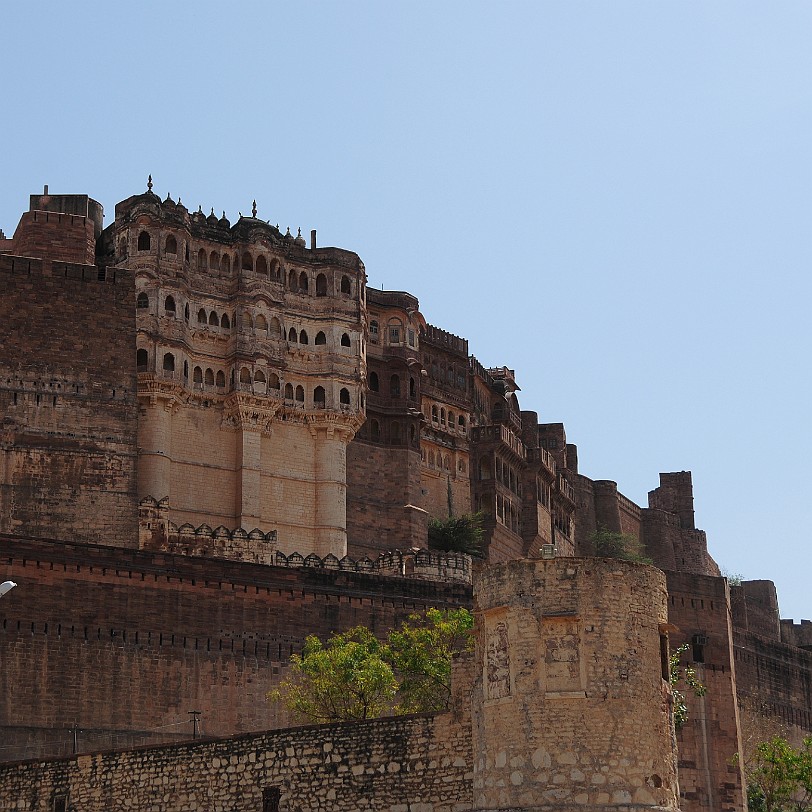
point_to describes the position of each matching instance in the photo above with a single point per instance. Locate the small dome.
(169, 201)
(300, 240)
(224, 223)
(212, 219)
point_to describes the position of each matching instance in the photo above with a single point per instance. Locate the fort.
(216, 439)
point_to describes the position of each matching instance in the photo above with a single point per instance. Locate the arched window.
(169, 305)
(273, 381)
(434, 414)
(288, 391)
(214, 321)
(144, 241)
(431, 459)
(262, 265)
(141, 360)
(292, 335)
(259, 376)
(186, 251)
(197, 375)
(221, 380)
(186, 311)
(300, 394)
(214, 261)
(245, 375)
(442, 417)
(201, 316)
(303, 337)
(225, 322)
(321, 285)
(344, 397)
(260, 324)
(202, 263)
(447, 463)
(225, 264)
(319, 397)
(320, 338)
(373, 382)
(292, 280)
(412, 389)
(247, 262)
(171, 245)
(142, 301)
(395, 331)
(345, 340)
(375, 430)
(303, 281)
(394, 386)
(373, 331)
(394, 432)
(346, 287)
(461, 423)
(169, 362)
(484, 468)
(276, 328)
(209, 378)
(451, 420)
(276, 269)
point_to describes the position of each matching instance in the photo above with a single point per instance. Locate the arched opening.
(395, 331)
(412, 389)
(259, 377)
(485, 468)
(209, 378)
(442, 417)
(275, 328)
(245, 375)
(319, 397)
(276, 269)
(201, 316)
(431, 459)
(292, 280)
(394, 386)
(144, 241)
(321, 285)
(197, 375)
(171, 245)
(320, 338)
(373, 382)
(214, 321)
(142, 301)
(434, 415)
(169, 305)
(186, 311)
(261, 325)
(225, 264)
(346, 287)
(141, 360)
(262, 265)
(214, 261)
(451, 420)
(303, 282)
(247, 262)
(303, 337)
(169, 362)
(221, 379)
(461, 423)
(288, 391)
(225, 323)
(292, 336)
(344, 397)
(300, 394)
(345, 340)
(373, 331)
(273, 381)
(202, 262)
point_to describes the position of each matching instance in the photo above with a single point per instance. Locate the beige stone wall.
(408, 764)
(570, 707)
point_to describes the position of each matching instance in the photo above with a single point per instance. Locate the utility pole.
(195, 719)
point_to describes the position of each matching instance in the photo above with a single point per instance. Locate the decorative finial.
(300, 232)
(212, 212)
(224, 214)
(287, 233)
(149, 183)
(179, 203)
(254, 210)
(199, 209)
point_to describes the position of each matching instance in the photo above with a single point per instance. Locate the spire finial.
(300, 232)
(254, 210)
(149, 183)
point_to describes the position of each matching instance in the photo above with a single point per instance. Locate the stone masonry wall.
(407, 764)
(125, 643)
(67, 402)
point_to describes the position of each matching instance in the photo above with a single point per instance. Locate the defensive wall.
(122, 644)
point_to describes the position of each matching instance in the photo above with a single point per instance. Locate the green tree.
(611, 544)
(779, 776)
(421, 651)
(458, 534)
(683, 675)
(355, 676)
(348, 679)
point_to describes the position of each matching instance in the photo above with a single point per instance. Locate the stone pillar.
(249, 475)
(330, 509)
(571, 703)
(154, 447)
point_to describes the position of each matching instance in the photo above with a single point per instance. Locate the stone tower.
(571, 703)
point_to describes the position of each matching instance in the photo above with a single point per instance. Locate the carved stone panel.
(497, 660)
(561, 649)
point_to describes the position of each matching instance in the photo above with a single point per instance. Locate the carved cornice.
(154, 389)
(341, 425)
(248, 412)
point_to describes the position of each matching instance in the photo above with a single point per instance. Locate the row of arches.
(447, 420)
(247, 380)
(396, 334)
(395, 389)
(395, 433)
(442, 374)
(297, 281)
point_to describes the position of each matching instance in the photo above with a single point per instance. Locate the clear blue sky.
(612, 198)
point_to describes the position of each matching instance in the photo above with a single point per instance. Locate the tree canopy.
(354, 676)
(779, 776)
(611, 544)
(458, 534)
